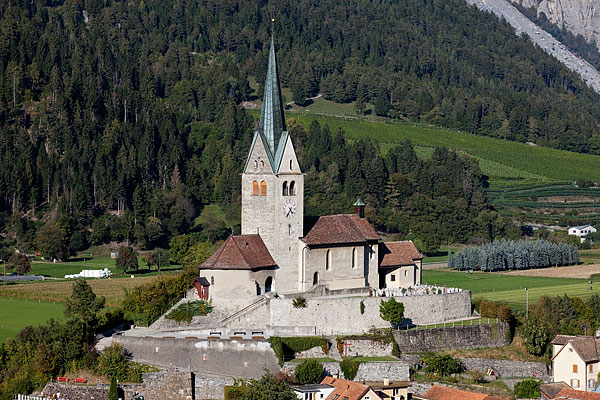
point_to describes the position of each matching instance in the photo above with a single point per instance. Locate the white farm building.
(581, 231)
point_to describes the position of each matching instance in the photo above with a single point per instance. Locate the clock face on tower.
(289, 209)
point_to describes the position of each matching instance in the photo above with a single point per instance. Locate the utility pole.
(526, 304)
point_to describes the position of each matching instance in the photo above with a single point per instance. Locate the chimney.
(386, 382)
(359, 208)
(335, 376)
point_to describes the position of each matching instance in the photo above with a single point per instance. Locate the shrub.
(349, 368)
(114, 362)
(299, 302)
(391, 311)
(309, 371)
(20, 263)
(286, 347)
(441, 365)
(362, 307)
(528, 389)
(186, 311)
(113, 394)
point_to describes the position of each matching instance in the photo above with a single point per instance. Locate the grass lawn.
(16, 314)
(486, 282)
(510, 288)
(74, 266)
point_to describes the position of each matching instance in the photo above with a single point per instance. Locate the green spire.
(272, 122)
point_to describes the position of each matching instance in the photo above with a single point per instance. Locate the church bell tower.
(273, 185)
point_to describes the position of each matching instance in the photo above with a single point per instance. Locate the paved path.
(522, 24)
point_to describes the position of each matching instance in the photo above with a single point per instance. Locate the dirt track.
(577, 271)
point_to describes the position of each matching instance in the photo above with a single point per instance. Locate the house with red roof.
(278, 250)
(438, 392)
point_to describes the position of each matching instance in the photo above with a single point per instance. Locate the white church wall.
(339, 273)
(342, 315)
(231, 290)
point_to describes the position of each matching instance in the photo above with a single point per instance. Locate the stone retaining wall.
(458, 337)
(504, 368)
(368, 371)
(230, 358)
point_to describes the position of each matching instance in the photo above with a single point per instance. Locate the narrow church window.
(262, 164)
(405, 272)
(268, 284)
(212, 280)
(291, 167)
(257, 288)
(293, 188)
(263, 188)
(285, 188)
(328, 260)
(316, 278)
(255, 164)
(354, 258)
(255, 188)
(289, 230)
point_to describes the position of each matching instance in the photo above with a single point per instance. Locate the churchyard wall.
(335, 316)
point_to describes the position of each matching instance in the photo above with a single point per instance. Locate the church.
(276, 251)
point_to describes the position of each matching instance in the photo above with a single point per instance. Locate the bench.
(62, 379)
(80, 380)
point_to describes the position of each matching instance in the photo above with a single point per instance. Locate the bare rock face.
(581, 17)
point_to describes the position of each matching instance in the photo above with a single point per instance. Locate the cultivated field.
(15, 314)
(112, 289)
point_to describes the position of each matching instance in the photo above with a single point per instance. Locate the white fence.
(27, 397)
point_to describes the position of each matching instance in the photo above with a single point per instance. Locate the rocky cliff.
(581, 17)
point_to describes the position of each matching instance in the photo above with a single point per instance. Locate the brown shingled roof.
(572, 394)
(587, 347)
(340, 229)
(552, 389)
(344, 389)
(447, 393)
(240, 252)
(561, 340)
(392, 254)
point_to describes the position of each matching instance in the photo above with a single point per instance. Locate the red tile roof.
(340, 229)
(447, 393)
(240, 252)
(398, 253)
(345, 389)
(572, 394)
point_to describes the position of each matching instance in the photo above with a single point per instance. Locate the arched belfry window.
(255, 164)
(262, 164)
(328, 260)
(263, 188)
(285, 189)
(255, 190)
(292, 188)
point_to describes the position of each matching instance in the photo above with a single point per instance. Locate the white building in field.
(581, 231)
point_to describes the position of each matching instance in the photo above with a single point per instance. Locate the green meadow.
(510, 288)
(497, 158)
(15, 314)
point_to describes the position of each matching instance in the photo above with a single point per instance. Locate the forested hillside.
(131, 108)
